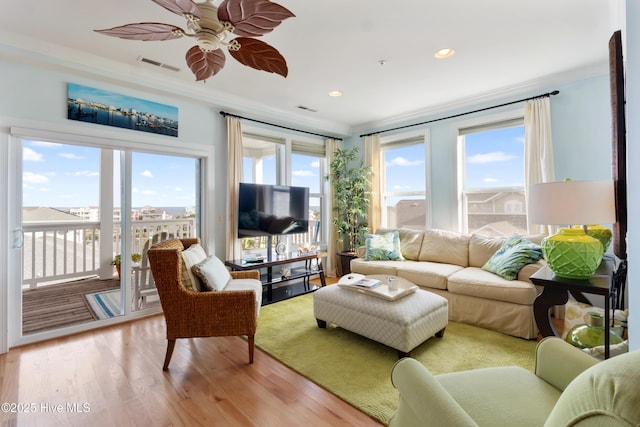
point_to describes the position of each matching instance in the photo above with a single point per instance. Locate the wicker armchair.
(199, 314)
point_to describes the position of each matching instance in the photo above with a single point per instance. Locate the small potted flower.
(135, 258)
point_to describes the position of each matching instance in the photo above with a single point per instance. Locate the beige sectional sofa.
(450, 264)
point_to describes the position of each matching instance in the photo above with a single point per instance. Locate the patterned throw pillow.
(190, 257)
(514, 254)
(382, 247)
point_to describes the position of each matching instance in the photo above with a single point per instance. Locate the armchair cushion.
(515, 396)
(247, 285)
(605, 395)
(190, 257)
(212, 273)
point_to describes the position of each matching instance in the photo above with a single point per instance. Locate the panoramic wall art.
(87, 104)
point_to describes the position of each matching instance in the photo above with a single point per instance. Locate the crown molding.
(495, 95)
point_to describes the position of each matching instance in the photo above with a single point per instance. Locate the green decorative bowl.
(571, 254)
(603, 234)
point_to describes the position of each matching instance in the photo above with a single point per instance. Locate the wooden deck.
(64, 304)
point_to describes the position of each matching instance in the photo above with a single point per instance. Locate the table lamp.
(572, 253)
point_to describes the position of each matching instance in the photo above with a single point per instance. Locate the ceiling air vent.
(158, 64)
(302, 107)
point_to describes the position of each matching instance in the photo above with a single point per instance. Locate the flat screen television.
(272, 210)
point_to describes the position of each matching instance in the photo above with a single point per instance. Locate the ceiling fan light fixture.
(211, 27)
(209, 40)
(444, 53)
(335, 93)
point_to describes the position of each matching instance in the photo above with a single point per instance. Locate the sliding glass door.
(87, 216)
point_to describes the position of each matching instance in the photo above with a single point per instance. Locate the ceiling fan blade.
(145, 31)
(180, 7)
(259, 55)
(205, 64)
(252, 18)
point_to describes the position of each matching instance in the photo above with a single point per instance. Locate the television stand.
(275, 287)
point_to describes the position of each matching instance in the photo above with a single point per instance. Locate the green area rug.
(358, 370)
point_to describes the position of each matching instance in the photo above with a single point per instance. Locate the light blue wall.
(581, 131)
(38, 96)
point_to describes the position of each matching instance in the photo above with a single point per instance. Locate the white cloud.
(33, 178)
(147, 173)
(45, 144)
(302, 173)
(496, 156)
(30, 155)
(85, 173)
(315, 164)
(402, 187)
(70, 156)
(149, 193)
(401, 161)
(178, 189)
(490, 180)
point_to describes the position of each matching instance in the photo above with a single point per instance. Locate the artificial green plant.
(350, 180)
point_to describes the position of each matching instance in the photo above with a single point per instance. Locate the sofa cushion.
(481, 248)
(410, 241)
(445, 246)
(427, 274)
(359, 265)
(380, 247)
(477, 282)
(514, 254)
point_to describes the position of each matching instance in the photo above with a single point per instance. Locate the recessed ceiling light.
(335, 93)
(444, 53)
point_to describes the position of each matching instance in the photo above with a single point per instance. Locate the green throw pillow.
(514, 254)
(382, 247)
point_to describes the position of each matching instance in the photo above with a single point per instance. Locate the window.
(492, 178)
(284, 161)
(405, 201)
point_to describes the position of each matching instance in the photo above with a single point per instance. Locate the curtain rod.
(225, 114)
(544, 95)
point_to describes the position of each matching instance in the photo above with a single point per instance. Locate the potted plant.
(350, 179)
(135, 258)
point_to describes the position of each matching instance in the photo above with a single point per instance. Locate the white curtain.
(234, 170)
(372, 159)
(332, 259)
(538, 152)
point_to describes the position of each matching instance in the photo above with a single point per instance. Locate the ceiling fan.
(210, 25)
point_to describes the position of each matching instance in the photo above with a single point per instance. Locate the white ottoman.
(402, 324)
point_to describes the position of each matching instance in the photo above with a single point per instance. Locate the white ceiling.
(337, 44)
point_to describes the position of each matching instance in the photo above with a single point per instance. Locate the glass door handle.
(18, 238)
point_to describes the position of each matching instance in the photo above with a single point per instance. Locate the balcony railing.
(58, 252)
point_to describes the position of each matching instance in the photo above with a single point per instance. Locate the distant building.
(91, 213)
(497, 213)
(151, 213)
(411, 213)
(49, 215)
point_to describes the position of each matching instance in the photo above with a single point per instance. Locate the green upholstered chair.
(568, 388)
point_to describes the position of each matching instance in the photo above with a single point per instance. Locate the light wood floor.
(117, 373)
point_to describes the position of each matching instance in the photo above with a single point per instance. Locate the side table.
(556, 292)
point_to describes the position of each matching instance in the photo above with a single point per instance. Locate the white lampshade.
(572, 203)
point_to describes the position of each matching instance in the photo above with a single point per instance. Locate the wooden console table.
(269, 277)
(556, 292)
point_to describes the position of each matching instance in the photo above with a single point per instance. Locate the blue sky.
(495, 158)
(59, 175)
